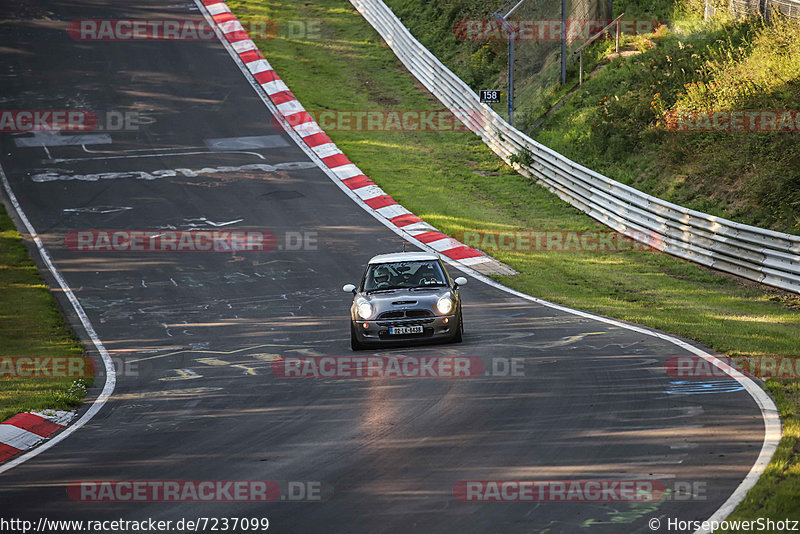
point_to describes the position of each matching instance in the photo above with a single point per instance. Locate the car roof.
(403, 256)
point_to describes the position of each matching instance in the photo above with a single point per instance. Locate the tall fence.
(757, 254)
(764, 8)
(537, 64)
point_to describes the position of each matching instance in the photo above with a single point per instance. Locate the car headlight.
(445, 305)
(364, 309)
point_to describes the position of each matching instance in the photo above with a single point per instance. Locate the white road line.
(111, 373)
(66, 160)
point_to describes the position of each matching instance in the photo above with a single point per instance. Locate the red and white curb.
(26, 430)
(343, 169)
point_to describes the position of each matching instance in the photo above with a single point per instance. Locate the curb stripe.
(317, 139)
(382, 201)
(259, 65)
(250, 56)
(357, 182)
(34, 423)
(369, 191)
(405, 220)
(302, 118)
(445, 243)
(325, 150)
(274, 87)
(17, 437)
(224, 16)
(26, 430)
(419, 228)
(216, 9)
(283, 97)
(392, 211)
(308, 128)
(290, 107)
(231, 25)
(7, 451)
(467, 253)
(266, 77)
(347, 171)
(429, 237)
(244, 46)
(336, 161)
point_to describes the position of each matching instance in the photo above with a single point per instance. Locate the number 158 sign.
(490, 96)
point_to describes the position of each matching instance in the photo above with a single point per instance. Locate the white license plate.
(401, 330)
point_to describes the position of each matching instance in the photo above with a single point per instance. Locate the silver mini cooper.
(405, 297)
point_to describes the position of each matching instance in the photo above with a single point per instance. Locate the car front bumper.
(433, 328)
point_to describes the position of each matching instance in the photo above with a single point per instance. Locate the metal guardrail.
(765, 256)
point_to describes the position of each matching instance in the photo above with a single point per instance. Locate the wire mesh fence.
(764, 8)
(542, 27)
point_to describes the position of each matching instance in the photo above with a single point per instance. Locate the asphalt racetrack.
(194, 334)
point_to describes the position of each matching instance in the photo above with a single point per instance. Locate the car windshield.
(406, 274)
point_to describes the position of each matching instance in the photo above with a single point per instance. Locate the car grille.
(405, 322)
(407, 314)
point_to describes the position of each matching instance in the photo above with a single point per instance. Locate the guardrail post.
(511, 79)
(580, 76)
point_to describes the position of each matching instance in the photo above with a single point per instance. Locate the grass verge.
(456, 183)
(31, 324)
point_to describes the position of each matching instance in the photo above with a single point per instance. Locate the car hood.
(399, 299)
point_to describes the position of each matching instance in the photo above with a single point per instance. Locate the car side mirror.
(349, 288)
(460, 281)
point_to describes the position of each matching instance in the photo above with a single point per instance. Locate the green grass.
(31, 324)
(455, 182)
(777, 491)
(616, 123)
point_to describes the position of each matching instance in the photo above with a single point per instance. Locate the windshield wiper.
(385, 289)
